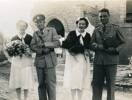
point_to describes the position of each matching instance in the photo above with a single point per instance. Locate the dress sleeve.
(67, 43)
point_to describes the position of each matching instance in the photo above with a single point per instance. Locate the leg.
(110, 81)
(42, 85)
(51, 83)
(18, 91)
(25, 94)
(73, 93)
(79, 94)
(98, 82)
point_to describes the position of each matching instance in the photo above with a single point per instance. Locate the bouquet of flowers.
(17, 48)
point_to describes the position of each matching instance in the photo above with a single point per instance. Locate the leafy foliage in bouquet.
(17, 48)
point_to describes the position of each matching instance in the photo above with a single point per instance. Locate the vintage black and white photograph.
(65, 49)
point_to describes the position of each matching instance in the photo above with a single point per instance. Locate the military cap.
(38, 17)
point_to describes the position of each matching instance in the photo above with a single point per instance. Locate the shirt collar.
(20, 36)
(82, 34)
(107, 25)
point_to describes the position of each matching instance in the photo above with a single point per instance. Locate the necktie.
(104, 28)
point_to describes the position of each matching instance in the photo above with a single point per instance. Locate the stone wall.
(68, 11)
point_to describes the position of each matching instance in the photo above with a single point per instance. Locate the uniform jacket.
(111, 37)
(49, 39)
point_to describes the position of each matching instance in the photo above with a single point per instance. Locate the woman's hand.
(87, 53)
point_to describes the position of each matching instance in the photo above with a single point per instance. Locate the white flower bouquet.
(17, 48)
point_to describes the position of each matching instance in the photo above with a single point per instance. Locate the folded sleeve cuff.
(61, 40)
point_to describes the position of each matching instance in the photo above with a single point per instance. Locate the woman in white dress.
(77, 66)
(21, 77)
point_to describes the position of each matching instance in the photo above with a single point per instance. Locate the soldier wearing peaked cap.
(38, 18)
(45, 39)
(106, 42)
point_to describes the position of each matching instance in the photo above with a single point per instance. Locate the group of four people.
(106, 42)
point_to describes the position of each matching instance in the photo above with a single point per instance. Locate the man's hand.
(94, 45)
(45, 50)
(100, 47)
(97, 46)
(112, 50)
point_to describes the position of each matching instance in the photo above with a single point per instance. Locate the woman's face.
(81, 25)
(22, 26)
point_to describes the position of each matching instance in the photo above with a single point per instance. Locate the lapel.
(46, 31)
(46, 36)
(76, 36)
(108, 28)
(40, 36)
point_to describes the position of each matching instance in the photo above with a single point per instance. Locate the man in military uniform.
(106, 42)
(43, 43)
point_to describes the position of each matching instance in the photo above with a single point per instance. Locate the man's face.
(104, 17)
(40, 24)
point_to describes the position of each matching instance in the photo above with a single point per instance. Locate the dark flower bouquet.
(17, 48)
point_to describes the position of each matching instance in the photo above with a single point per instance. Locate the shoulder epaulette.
(115, 26)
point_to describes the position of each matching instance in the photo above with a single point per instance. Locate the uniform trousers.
(47, 83)
(104, 74)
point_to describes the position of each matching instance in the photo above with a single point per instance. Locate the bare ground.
(62, 94)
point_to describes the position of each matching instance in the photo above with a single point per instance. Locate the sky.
(13, 10)
(10, 12)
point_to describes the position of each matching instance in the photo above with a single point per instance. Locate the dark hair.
(83, 18)
(105, 10)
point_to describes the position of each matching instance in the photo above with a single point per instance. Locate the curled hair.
(22, 21)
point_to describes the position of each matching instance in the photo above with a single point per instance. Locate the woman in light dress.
(77, 66)
(21, 77)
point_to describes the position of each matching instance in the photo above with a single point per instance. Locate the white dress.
(77, 72)
(21, 75)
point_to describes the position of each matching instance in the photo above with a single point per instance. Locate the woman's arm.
(68, 42)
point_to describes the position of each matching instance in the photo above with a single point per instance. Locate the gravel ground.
(62, 94)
